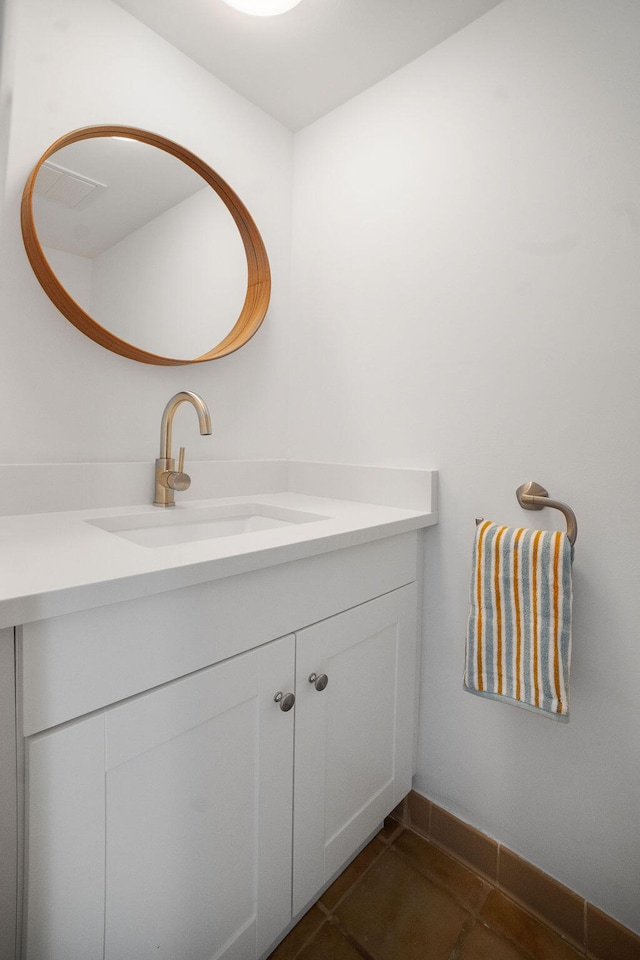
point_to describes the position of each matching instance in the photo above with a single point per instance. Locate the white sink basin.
(184, 524)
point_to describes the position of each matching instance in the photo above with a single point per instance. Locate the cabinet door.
(354, 738)
(162, 828)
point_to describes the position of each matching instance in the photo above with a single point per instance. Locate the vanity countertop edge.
(58, 563)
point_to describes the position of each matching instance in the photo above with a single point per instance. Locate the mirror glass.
(157, 256)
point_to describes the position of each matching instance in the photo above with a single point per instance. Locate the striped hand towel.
(519, 632)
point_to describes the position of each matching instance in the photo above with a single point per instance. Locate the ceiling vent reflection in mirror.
(65, 187)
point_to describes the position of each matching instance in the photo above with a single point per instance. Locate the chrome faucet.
(168, 478)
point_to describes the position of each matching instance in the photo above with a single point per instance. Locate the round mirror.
(143, 247)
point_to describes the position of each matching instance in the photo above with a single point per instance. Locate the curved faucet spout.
(204, 419)
(168, 478)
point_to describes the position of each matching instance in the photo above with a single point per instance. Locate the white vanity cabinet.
(195, 818)
(161, 827)
(354, 743)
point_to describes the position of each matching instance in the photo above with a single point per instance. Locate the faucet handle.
(178, 479)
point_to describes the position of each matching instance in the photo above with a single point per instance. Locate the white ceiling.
(300, 65)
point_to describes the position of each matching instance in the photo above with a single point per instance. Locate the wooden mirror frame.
(258, 271)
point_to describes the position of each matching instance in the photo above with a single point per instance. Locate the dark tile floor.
(403, 898)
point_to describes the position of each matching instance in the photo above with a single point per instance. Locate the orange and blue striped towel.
(519, 632)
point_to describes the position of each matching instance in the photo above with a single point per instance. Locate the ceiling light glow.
(263, 8)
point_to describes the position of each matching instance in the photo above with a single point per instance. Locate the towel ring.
(533, 496)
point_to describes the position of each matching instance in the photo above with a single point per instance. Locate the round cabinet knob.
(286, 700)
(319, 682)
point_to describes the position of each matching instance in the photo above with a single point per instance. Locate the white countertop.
(56, 563)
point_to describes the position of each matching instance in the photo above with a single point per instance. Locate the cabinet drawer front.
(80, 662)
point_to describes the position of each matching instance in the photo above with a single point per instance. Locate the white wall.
(467, 291)
(6, 80)
(81, 62)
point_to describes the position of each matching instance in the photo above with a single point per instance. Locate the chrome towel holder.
(533, 496)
